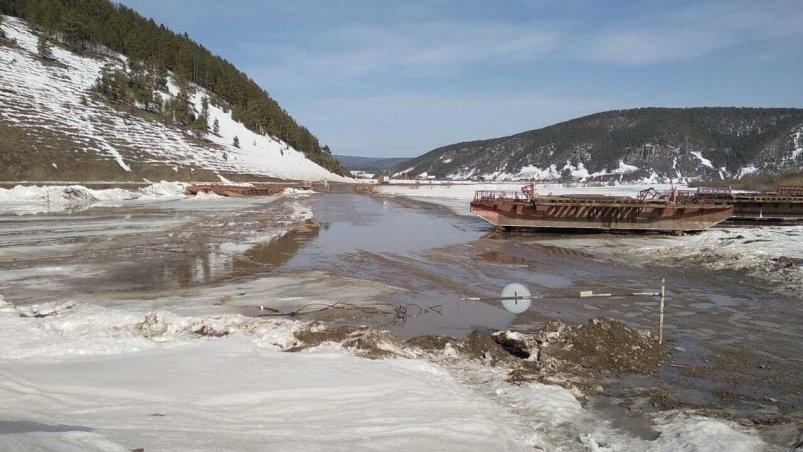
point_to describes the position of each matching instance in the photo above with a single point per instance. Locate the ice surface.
(756, 250)
(92, 378)
(95, 369)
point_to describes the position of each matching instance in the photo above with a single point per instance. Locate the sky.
(398, 78)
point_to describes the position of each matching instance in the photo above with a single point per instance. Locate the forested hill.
(637, 144)
(370, 164)
(94, 28)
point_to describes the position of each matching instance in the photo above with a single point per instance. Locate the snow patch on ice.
(772, 252)
(209, 378)
(300, 212)
(691, 432)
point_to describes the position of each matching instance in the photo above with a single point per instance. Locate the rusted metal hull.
(767, 206)
(784, 204)
(599, 214)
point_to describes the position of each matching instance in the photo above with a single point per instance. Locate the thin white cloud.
(442, 48)
(693, 31)
(419, 48)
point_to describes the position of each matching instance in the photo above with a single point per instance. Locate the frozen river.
(224, 256)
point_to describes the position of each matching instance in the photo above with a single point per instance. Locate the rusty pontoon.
(783, 205)
(650, 211)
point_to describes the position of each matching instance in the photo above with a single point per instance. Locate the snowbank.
(82, 377)
(92, 379)
(163, 190)
(35, 199)
(28, 200)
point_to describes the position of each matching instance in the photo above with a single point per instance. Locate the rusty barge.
(649, 211)
(785, 205)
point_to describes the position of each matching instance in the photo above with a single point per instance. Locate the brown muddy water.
(735, 347)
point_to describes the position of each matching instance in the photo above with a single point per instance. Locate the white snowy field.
(82, 377)
(56, 98)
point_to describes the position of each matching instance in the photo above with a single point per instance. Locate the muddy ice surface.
(731, 350)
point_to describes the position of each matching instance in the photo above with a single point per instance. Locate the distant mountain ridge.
(370, 164)
(638, 144)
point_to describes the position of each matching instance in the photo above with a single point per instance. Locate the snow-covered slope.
(646, 145)
(46, 99)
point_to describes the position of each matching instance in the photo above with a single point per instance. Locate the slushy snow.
(92, 378)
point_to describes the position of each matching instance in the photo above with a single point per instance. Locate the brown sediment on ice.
(365, 342)
(601, 345)
(605, 345)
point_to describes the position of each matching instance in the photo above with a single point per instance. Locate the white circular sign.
(516, 298)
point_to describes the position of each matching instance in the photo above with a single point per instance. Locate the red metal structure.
(649, 211)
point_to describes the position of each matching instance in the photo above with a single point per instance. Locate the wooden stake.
(661, 313)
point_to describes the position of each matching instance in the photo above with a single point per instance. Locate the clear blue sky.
(396, 78)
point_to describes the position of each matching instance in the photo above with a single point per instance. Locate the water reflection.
(214, 263)
(280, 251)
(355, 223)
(499, 257)
(236, 260)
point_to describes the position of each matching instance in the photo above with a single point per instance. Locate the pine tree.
(75, 32)
(216, 127)
(201, 124)
(178, 108)
(205, 108)
(113, 85)
(236, 142)
(43, 47)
